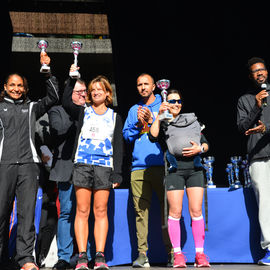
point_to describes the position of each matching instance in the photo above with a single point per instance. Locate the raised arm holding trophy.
(164, 85)
(43, 45)
(76, 46)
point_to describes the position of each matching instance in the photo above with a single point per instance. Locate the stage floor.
(190, 266)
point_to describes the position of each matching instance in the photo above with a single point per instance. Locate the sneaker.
(201, 260)
(61, 265)
(142, 261)
(179, 260)
(29, 266)
(100, 262)
(266, 259)
(82, 263)
(81, 266)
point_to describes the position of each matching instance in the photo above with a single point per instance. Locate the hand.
(195, 149)
(144, 116)
(259, 129)
(73, 68)
(44, 59)
(45, 158)
(260, 96)
(163, 107)
(115, 185)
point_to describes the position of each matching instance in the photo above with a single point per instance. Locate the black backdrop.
(202, 49)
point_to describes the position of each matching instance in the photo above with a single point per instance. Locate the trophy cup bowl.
(43, 45)
(76, 46)
(163, 85)
(236, 159)
(209, 159)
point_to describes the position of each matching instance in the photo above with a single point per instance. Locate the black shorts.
(180, 179)
(92, 176)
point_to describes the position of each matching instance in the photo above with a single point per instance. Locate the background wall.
(203, 49)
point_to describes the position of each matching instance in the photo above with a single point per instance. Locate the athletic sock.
(174, 231)
(198, 233)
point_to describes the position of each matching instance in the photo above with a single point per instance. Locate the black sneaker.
(61, 265)
(100, 262)
(170, 259)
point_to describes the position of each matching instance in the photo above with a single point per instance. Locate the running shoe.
(100, 262)
(179, 260)
(29, 266)
(266, 259)
(81, 266)
(201, 260)
(61, 265)
(82, 263)
(142, 261)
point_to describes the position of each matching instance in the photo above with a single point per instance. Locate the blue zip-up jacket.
(145, 153)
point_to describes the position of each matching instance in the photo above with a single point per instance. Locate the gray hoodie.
(183, 129)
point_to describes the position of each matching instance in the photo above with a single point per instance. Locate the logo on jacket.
(24, 110)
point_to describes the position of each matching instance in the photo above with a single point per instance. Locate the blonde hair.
(106, 86)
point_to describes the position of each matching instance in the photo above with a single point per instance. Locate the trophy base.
(166, 116)
(211, 186)
(45, 69)
(235, 186)
(75, 74)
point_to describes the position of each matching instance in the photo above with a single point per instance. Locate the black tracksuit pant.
(20, 180)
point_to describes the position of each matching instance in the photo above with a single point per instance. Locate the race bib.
(98, 127)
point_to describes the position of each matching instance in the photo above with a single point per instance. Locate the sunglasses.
(173, 101)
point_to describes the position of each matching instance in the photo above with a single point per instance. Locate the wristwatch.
(202, 149)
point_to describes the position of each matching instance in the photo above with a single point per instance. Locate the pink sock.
(175, 233)
(198, 233)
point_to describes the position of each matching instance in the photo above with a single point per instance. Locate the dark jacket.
(77, 113)
(63, 133)
(248, 115)
(18, 122)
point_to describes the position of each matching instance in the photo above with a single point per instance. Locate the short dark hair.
(254, 60)
(146, 74)
(175, 91)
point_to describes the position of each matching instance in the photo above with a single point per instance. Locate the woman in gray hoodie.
(184, 141)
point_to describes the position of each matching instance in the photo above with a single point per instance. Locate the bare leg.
(83, 199)
(101, 218)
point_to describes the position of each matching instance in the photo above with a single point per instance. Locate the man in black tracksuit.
(19, 169)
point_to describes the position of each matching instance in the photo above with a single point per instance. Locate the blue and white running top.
(95, 139)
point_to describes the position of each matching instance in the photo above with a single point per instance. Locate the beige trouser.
(143, 182)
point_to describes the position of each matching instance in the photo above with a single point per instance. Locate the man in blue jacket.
(147, 162)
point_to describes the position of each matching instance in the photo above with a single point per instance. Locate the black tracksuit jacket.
(248, 115)
(17, 125)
